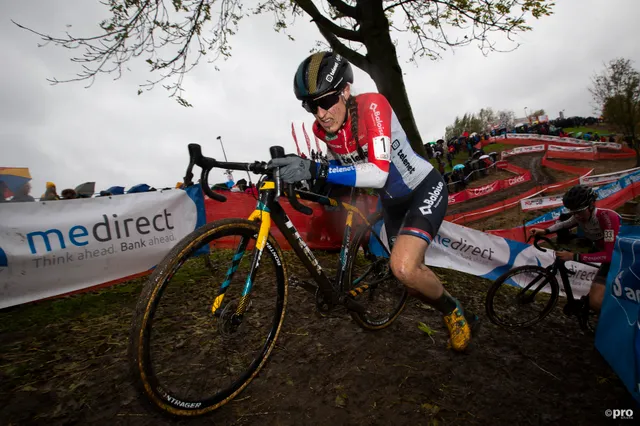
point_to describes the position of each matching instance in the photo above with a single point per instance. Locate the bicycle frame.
(554, 268)
(268, 209)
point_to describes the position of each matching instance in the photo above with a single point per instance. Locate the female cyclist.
(600, 226)
(367, 148)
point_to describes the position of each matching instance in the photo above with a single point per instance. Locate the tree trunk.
(384, 68)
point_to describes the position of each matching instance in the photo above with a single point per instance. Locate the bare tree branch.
(343, 8)
(352, 56)
(311, 9)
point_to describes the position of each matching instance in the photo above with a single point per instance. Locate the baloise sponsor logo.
(376, 115)
(626, 284)
(433, 199)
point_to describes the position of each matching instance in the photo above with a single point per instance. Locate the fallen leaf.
(430, 408)
(425, 328)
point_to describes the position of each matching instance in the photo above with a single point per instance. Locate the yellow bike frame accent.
(217, 303)
(265, 225)
(353, 209)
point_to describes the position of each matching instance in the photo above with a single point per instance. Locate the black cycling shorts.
(420, 213)
(603, 271)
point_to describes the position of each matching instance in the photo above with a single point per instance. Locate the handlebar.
(537, 238)
(554, 247)
(258, 167)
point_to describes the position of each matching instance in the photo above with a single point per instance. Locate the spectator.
(50, 194)
(69, 194)
(22, 194)
(3, 190)
(251, 189)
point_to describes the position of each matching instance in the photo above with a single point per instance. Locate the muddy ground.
(540, 176)
(65, 362)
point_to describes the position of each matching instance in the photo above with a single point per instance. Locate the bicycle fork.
(263, 215)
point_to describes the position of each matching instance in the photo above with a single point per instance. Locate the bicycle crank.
(322, 304)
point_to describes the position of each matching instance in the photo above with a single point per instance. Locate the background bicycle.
(525, 295)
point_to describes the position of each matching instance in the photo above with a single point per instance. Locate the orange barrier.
(563, 167)
(471, 193)
(322, 230)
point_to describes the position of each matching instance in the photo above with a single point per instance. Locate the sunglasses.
(578, 211)
(324, 102)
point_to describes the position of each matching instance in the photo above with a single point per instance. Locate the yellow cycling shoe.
(459, 330)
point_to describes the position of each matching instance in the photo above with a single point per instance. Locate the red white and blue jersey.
(391, 165)
(602, 228)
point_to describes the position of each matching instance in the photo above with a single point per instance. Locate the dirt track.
(64, 362)
(323, 370)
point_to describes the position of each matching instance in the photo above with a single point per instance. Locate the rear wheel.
(188, 358)
(370, 281)
(522, 296)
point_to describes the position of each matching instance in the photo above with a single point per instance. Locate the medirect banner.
(489, 256)
(57, 247)
(541, 203)
(607, 177)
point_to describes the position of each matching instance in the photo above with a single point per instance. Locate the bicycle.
(528, 281)
(230, 319)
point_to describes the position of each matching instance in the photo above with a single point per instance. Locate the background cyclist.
(367, 148)
(601, 226)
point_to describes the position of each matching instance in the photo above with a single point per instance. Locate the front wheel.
(370, 282)
(203, 330)
(522, 296)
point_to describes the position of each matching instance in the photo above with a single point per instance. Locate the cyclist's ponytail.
(352, 107)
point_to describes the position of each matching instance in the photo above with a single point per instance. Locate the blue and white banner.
(56, 247)
(489, 256)
(618, 333)
(602, 192)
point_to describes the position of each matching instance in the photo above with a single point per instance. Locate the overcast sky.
(69, 135)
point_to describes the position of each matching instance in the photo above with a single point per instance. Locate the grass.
(601, 132)
(86, 305)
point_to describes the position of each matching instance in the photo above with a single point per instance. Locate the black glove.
(294, 169)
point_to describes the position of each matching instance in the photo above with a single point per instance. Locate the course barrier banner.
(618, 332)
(489, 256)
(609, 196)
(523, 150)
(607, 177)
(57, 247)
(471, 193)
(548, 138)
(589, 149)
(608, 145)
(571, 152)
(541, 202)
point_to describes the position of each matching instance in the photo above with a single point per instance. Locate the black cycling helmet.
(578, 198)
(320, 74)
